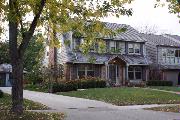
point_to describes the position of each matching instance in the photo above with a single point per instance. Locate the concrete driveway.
(84, 109)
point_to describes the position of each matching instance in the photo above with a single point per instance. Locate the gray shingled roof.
(5, 67)
(174, 36)
(104, 58)
(160, 40)
(129, 35)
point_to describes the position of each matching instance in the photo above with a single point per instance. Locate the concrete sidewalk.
(84, 109)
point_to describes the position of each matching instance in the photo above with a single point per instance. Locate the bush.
(36, 87)
(73, 85)
(159, 83)
(91, 82)
(1, 94)
(138, 84)
(63, 87)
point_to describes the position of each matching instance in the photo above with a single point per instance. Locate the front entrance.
(179, 79)
(114, 73)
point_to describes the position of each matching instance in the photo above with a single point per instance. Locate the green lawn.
(174, 108)
(5, 104)
(5, 114)
(127, 96)
(175, 89)
(27, 115)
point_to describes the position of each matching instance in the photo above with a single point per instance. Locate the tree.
(147, 29)
(4, 53)
(173, 5)
(60, 16)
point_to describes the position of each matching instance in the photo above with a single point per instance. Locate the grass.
(175, 89)
(5, 104)
(174, 108)
(126, 96)
(5, 114)
(43, 88)
(27, 115)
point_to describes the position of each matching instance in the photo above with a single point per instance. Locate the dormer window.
(134, 48)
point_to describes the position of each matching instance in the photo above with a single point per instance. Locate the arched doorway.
(116, 70)
(179, 78)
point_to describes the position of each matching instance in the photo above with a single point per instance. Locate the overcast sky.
(146, 15)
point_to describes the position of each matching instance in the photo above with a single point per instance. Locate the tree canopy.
(26, 16)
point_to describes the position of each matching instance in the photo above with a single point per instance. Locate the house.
(164, 52)
(124, 59)
(5, 75)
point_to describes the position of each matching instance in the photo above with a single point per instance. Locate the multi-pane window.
(117, 47)
(120, 47)
(112, 46)
(77, 42)
(135, 73)
(171, 56)
(85, 70)
(134, 48)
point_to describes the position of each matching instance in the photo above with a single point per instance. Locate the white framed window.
(112, 46)
(135, 73)
(85, 70)
(120, 47)
(171, 56)
(134, 48)
(117, 47)
(77, 42)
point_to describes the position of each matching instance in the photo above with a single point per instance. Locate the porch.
(118, 72)
(115, 71)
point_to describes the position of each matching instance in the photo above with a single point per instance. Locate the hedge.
(159, 83)
(1, 94)
(73, 85)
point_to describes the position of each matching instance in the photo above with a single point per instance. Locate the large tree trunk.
(16, 62)
(17, 87)
(17, 52)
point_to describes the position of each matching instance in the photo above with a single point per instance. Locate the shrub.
(159, 83)
(138, 84)
(1, 94)
(73, 85)
(91, 82)
(63, 87)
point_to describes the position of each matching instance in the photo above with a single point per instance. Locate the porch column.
(117, 78)
(7, 80)
(107, 73)
(126, 73)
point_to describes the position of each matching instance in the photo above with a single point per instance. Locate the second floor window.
(117, 47)
(170, 56)
(112, 46)
(134, 48)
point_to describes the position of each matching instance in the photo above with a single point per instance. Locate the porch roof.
(5, 68)
(105, 58)
(170, 67)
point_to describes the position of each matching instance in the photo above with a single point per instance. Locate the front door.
(179, 79)
(114, 73)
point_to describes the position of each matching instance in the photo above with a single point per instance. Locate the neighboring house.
(5, 75)
(164, 52)
(124, 60)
